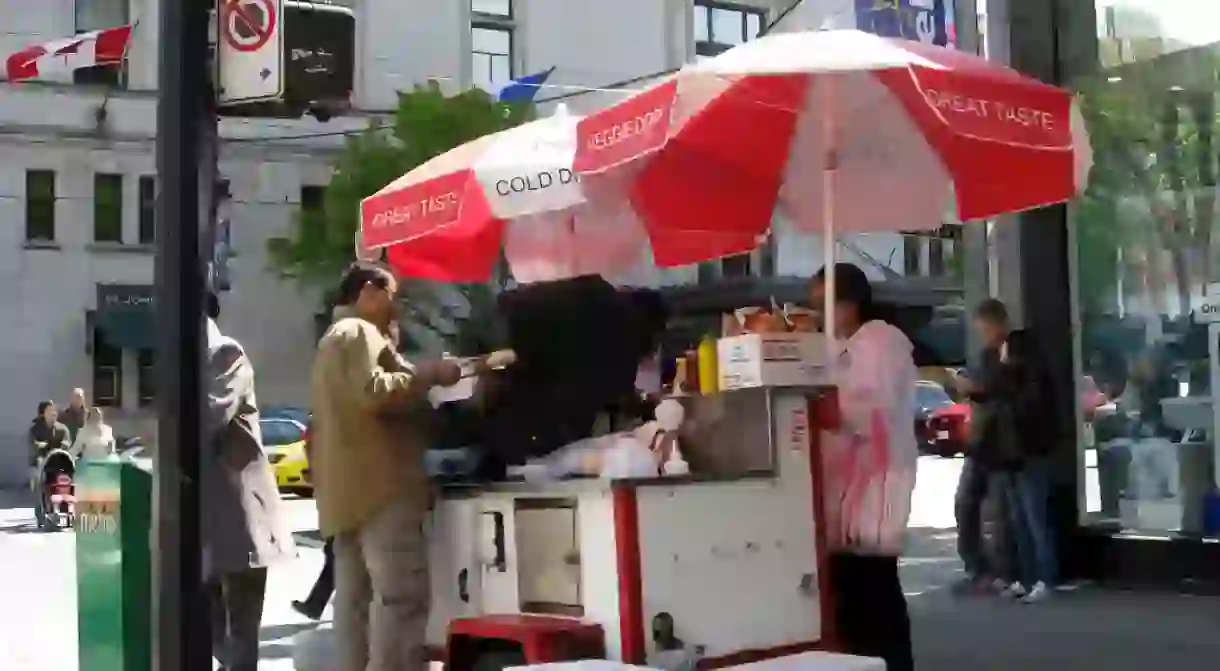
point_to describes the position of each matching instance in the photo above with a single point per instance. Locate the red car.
(941, 425)
(949, 429)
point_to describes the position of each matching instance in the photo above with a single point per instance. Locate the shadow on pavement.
(275, 651)
(277, 632)
(29, 527)
(1090, 628)
(18, 497)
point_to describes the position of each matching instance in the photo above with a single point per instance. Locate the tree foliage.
(1152, 195)
(426, 124)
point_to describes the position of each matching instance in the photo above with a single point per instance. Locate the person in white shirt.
(95, 439)
(869, 465)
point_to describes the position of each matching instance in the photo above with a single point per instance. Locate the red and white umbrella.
(512, 191)
(835, 131)
(58, 59)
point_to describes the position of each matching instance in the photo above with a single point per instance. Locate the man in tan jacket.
(370, 485)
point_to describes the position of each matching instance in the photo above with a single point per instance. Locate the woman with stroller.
(46, 433)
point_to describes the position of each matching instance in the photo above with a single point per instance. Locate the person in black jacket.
(46, 433)
(1023, 422)
(979, 481)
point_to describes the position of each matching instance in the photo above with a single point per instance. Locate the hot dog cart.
(727, 559)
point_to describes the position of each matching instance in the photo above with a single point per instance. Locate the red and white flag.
(57, 59)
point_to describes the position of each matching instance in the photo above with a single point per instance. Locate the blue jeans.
(1027, 495)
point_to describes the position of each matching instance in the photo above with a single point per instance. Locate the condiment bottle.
(709, 379)
(691, 384)
(681, 376)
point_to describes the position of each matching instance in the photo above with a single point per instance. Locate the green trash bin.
(113, 567)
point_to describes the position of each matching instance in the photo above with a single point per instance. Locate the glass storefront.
(1148, 270)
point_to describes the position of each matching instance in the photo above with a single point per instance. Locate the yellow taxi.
(284, 439)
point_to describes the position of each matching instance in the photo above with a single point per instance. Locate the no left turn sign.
(249, 24)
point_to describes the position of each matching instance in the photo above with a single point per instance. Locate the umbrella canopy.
(515, 192)
(838, 131)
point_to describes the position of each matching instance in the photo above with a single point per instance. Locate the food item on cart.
(760, 320)
(730, 325)
(800, 319)
(680, 375)
(612, 456)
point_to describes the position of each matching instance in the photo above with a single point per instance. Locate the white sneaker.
(1014, 591)
(1040, 592)
(999, 585)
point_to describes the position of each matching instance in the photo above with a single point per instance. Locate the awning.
(124, 330)
(125, 318)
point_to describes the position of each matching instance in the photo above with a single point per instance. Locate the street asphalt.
(1090, 628)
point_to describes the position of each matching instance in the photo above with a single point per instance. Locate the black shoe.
(308, 610)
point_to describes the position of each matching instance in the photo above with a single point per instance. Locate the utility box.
(113, 567)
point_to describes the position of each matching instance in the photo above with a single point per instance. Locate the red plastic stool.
(506, 640)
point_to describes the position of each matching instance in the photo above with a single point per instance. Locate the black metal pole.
(181, 640)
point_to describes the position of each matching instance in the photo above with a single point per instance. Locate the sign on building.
(928, 21)
(249, 50)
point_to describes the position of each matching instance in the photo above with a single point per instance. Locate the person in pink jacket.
(870, 460)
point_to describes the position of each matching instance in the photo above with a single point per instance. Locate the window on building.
(720, 26)
(147, 381)
(40, 205)
(735, 266)
(491, 43)
(107, 208)
(313, 199)
(148, 210)
(107, 372)
(912, 250)
(500, 8)
(767, 258)
(936, 257)
(95, 15)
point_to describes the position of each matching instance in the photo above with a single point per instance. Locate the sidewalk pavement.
(1089, 628)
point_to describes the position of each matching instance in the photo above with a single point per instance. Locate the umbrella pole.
(830, 166)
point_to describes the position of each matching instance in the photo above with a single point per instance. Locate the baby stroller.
(57, 489)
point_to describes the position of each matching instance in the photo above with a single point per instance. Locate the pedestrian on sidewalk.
(369, 481)
(870, 465)
(989, 567)
(244, 530)
(95, 440)
(46, 433)
(1014, 426)
(75, 414)
(1028, 424)
(324, 587)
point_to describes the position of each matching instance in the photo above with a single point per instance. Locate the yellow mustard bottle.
(709, 377)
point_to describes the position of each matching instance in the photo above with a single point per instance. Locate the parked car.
(284, 439)
(1092, 398)
(949, 428)
(930, 398)
(296, 414)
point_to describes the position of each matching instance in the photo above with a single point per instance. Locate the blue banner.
(927, 21)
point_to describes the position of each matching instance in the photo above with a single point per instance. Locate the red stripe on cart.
(630, 576)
